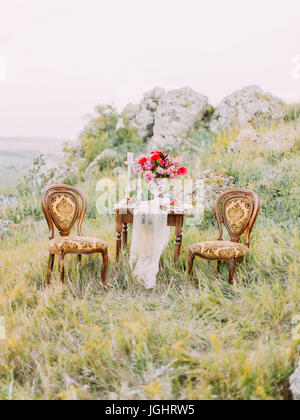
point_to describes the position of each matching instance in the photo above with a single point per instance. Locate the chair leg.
(79, 258)
(191, 264)
(104, 268)
(62, 267)
(50, 268)
(232, 264)
(218, 266)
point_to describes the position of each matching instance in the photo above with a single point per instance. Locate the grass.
(195, 338)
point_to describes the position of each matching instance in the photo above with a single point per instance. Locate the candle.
(130, 156)
(128, 187)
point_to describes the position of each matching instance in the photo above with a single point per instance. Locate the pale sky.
(63, 57)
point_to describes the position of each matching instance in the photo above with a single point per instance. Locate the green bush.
(102, 133)
(293, 113)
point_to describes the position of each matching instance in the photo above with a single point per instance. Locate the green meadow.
(189, 338)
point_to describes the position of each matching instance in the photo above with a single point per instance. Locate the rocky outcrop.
(214, 184)
(281, 140)
(163, 118)
(295, 384)
(178, 112)
(248, 105)
(5, 204)
(5, 226)
(107, 159)
(118, 170)
(142, 116)
(8, 226)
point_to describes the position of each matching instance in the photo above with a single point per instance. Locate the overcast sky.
(63, 57)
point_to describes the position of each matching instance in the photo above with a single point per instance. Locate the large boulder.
(142, 116)
(4, 226)
(215, 183)
(295, 384)
(163, 118)
(245, 106)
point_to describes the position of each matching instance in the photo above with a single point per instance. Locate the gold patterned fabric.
(219, 249)
(64, 208)
(237, 213)
(76, 244)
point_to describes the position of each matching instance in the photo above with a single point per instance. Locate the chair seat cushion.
(219, 249)
(77, 244)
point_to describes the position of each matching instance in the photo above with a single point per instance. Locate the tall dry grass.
(190, 338)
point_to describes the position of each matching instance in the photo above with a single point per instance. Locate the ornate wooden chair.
(237, 210)
(63, 207)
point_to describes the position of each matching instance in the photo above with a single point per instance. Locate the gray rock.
(295, 384)
(163, 118)
(178, 112)
(4, 224)
(214, 184)
(141, 116)
(117, 170)
(245, 106)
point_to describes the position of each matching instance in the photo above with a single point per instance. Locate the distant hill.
(17, 154)
(42, 144)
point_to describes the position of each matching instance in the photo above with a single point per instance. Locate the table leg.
(119, 236)
(125, 235)
(178, 232)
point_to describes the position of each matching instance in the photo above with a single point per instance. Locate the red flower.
(163, 162)
(182, 171)
(155, 157)
(142, 161)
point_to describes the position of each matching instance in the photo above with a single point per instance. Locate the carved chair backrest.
(237, 210)
(63, 206)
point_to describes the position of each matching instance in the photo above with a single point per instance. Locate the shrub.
(293, 113)
(103, 132)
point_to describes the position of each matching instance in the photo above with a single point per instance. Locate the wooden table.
(123, 220)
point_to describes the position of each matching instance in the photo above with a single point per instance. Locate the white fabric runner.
(149, 239)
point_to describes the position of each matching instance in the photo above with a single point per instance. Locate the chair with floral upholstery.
(237, 210)
(63, 206)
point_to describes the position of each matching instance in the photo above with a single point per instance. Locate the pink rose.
(137, 169)
(161, 171)
(148, 166)
(149, 176)
(171, 170)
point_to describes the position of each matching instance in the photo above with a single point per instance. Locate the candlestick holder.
(130, 163)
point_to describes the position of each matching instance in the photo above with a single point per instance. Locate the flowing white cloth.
(149, 238)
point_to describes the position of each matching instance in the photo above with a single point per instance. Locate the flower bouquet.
(156, 168)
